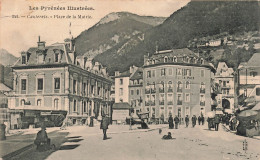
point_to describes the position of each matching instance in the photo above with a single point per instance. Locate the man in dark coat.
(202, 120)
(199, 119)
(187, 120)
(217, 121)
(194, 119)
(104, 125)
(170, 120)
(176, 120)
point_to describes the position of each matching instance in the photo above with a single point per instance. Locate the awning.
(121, 106)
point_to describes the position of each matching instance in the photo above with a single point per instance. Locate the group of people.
(194, 119)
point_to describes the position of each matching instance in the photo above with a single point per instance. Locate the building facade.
(53, 80)
(176, 82)
(225, 78)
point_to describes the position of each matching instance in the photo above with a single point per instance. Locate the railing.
(179, 102)
(161, 102)
(179, 89)
(161, 90)
(147, 91)
(153, 90)
(170, 103)
(202, 90)
(170, 90)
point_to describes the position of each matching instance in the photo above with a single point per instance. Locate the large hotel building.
(176, 82)
(53, 80)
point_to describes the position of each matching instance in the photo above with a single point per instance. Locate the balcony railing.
(170, 103)
(153, 90)
(147, 91)
(202, 90)
(161, 90)
(202, 103)
(170, 90)
(179, 89)
(161, 102)
(179, 102)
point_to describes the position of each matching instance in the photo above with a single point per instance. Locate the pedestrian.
(104, 125)
(187, 120)
(170, 120)
(202, 120)
(42, 141)
(216, 120)
(194, 119)
(176, 120)
(199, 119)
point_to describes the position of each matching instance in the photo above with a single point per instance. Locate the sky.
(19, 34)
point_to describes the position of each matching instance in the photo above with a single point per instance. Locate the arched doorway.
(225, 104)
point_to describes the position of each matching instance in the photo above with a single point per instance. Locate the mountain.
(111, 30)
(6, 58)
(196, 19)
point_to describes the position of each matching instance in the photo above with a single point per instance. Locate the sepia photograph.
(129, 79)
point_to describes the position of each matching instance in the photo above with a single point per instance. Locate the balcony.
(202, 90)
(179, 89)
(161, 102)
(153, 90)
(161, 90)
(170, 103)
(170, 90)
(202, 103)
(179, 102)
(226, 86)
(147, 91)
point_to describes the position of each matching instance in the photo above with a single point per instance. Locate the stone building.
(225, 78)
(51, 81)
(176, 82)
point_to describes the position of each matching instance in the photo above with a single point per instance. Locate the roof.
(124, 74)
(176, 52)
(254, 61)
(138, 74)
(121, 106)
(3, 87)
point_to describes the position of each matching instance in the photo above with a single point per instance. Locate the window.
(121, 81)
(187, 97)
(165, 59)
(161, 99)
(253, 74)
(74, 106)
(56, 57)
(22, 102)
(179, 87)
(170, 99)
(187, 111)
(39, 102)
(137, 92)
(202, 73)
(56, 103)
(202, 87)
(187, 72)
(84, 107)
(170, 87)
(148, 74)
(132, 92)
(74, 86)
(174, 59)
(23, 59)
(153, 73)
(56, 83)
(202, 100)
(179, 71)
(120, 91)
(84, 88)
(170, 71)
(258, 91)
(179, 99)
(163, 72)
(187, 85)
(40, 84)
(23, 84)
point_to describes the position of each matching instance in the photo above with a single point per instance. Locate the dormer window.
(202, 61)
(56, 57)
(174, 59)
(165, 59)
(23, 59)
(40, 58)
(188, 60)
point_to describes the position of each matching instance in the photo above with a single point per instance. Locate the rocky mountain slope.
(7, 58)
(197, 19)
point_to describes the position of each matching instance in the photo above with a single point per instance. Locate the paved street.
(190, 143)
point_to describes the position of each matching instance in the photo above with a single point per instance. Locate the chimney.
(41, 44)
(117, 73)
(2, 72)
